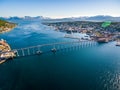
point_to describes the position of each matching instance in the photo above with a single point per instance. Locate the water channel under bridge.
(53, 47)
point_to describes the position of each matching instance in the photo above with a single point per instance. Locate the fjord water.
(89, 68)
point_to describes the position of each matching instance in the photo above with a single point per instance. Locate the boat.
(39, 52)
(53, 50)
(118, 44)
(79, 36)
(102, 40)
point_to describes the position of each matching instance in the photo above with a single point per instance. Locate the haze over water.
(89, 68)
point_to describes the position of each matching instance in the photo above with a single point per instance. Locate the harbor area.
(5, 51)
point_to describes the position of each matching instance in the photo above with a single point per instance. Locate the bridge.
(52, 47)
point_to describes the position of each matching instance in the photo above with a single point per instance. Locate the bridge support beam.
(28, 51)
(23, 52)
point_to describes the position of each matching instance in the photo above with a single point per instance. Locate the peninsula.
(6, 26)
(98, 31)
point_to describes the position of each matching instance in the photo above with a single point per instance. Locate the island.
(6, 26)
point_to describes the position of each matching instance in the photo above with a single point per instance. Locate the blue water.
(90, 68)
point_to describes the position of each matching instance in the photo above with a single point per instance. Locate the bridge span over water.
(53, 47)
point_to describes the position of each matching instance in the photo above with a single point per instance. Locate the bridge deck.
(53, 47)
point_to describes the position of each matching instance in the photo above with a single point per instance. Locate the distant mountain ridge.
(24, 18)
(97, 18)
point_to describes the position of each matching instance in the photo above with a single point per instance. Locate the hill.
(6, 26)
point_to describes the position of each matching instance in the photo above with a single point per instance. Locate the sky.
(59, 8)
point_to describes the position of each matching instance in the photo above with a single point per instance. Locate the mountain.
(104, 18)
(98, 18)
(24, 18)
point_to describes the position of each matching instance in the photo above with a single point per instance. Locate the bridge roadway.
(52, 47)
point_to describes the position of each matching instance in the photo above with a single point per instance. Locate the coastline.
(6, 26)
(5, 53)
(8, 30)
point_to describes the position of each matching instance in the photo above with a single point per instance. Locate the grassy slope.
(4, 24)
